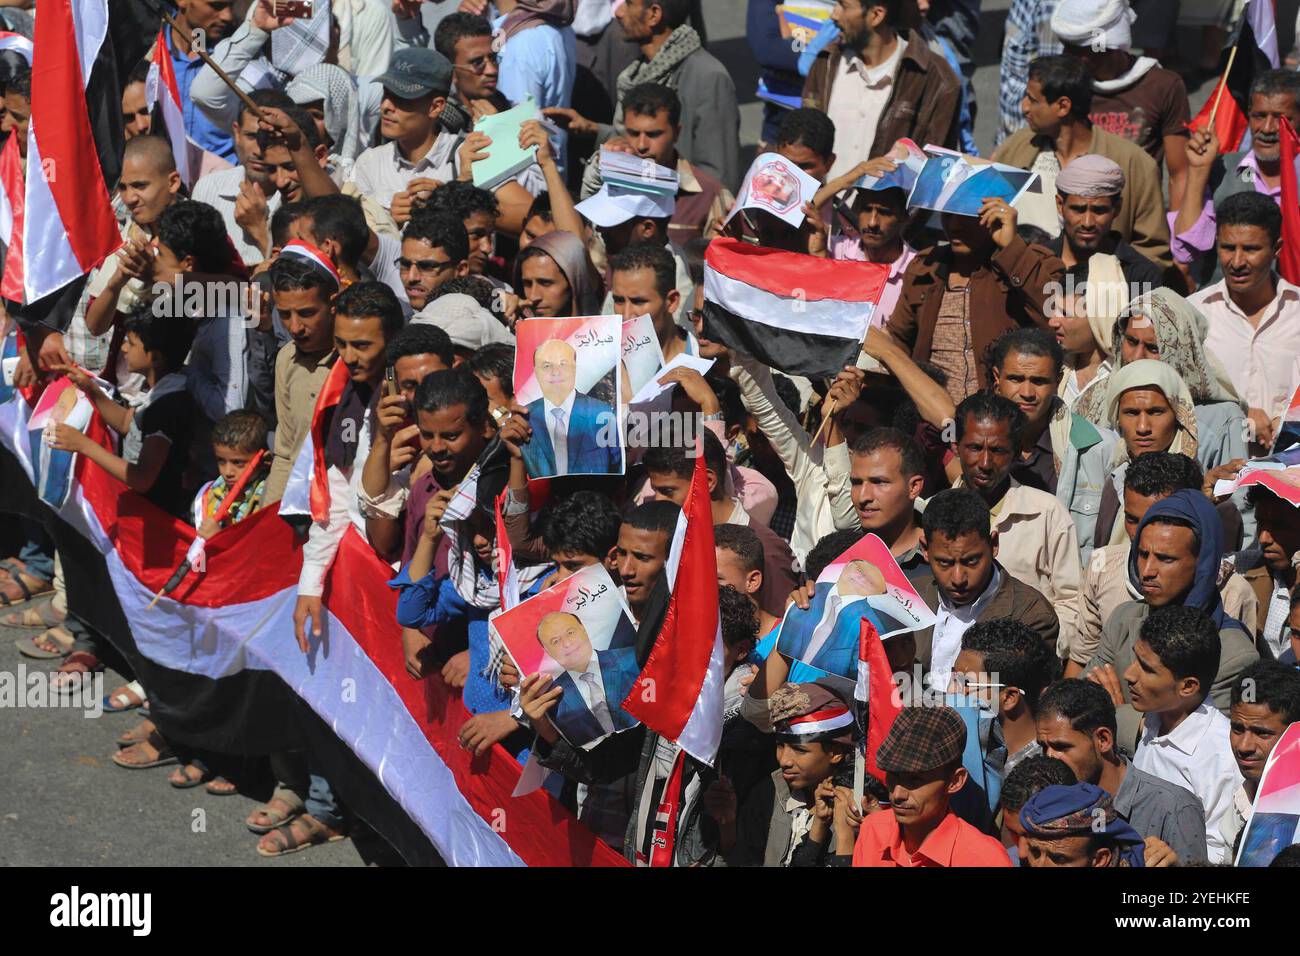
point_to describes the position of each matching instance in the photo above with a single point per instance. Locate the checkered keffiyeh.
(1028, 36)
(921, 739)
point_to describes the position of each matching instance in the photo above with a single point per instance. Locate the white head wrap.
(1100, 24)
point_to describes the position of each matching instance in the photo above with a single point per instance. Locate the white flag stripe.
(833, 317)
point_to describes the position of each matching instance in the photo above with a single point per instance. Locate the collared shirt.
(220, 190)
(801, 818)
(1200, 238)
(835, 600)
(558, 428)
(954, 842)
(382, 171)
(1037, 544)
(850, 248)
(1238, 815)
(859, 95)
(298, 380)
(199, 128)
(1039, 469)
(1195, 755)
(1258, 358)
(1070, 390)
(951, 622)
(540, 62)
(1276, 632)
(1162, 809)
(593, 692)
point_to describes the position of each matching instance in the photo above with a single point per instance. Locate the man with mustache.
(1265, 701)
(1253, 313)
(1212, 178)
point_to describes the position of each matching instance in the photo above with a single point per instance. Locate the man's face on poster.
(565, 641)
(861, 578)
(556, 365)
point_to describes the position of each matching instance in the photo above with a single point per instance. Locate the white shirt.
(1276, 632)
(559, 435)
(593, 692)
(220, 190)
(1257, 358)
(1197, 756)
(950, 624)
(859, 95)
(381, 171)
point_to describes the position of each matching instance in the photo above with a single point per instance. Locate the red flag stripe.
(883, 704)
(796, 276)
(11, 180)
(62, 130)
(328, 399)
(1289, 261)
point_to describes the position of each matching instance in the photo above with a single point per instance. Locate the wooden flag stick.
(826, 420)
(203, 55)
(1223, 84)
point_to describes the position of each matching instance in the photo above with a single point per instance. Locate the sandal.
(183, 777)
(38, 615)
(219, 786)
(138, 734)
(162, 755)
(301, 834)
(276, 812)
(25, 592)
(127, 697)
(52, 644)
(72, 673)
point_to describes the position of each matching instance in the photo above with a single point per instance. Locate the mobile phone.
(10, 369)
(301, 9)
(390, 380)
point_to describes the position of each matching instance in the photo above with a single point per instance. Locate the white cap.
(613, 206)
(467, 324)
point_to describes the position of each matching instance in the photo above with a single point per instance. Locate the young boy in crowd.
(814, 743)
(236, 441)
(1265, 701)
(1185, 739)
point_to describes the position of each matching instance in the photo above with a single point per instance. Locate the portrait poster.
(568, 375)
(642, 356)
(8, 358)
(953, 183)
(865, 582)
(909, 160)
(579, 633)
(776, 185)
(60, 403)
(1279, 473)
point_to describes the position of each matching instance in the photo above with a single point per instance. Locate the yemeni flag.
(678, 693)
(18, 43)
(224, 672)
(1255, 40)
(12, 201)
(1288, 263)
(875, 689)
(161, 89)
(800, 314)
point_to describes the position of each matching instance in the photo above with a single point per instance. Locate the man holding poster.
(594, 682)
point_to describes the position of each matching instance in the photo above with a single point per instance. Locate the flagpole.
(1223, 84)
(203, 55)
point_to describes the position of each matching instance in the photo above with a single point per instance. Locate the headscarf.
(1180, 333)
(1091, 176)
(467, 324)
(570, 256)
(335, 88)
(1195, 508)
(1094, 23)
(1148, 373)
(532, 13)
(1059, 811)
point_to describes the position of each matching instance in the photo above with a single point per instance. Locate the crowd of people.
(1048, 394)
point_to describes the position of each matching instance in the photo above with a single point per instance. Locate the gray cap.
(467, 324)
(417, 71)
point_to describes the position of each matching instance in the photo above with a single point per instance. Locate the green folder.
(505, 159)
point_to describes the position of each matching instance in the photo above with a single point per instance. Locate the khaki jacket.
(1014, 599)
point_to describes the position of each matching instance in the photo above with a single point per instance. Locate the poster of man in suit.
(863, 583)
(580, 633)
(52, 468)
(567, 375)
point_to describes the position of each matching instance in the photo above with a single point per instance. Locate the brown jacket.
(924, 102)
(1014, 599)
(1141, 221)
(1008, 293)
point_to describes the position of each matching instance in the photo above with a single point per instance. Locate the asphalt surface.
(63, 802)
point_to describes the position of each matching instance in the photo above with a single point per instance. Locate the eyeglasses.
(428, 266)
(960, 683)
(478, 66)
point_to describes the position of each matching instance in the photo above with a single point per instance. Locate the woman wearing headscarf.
(556, 279)
(1150, 408)
(1190, 509)
(1164, 326)
(1078, 826)
(330, 95)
